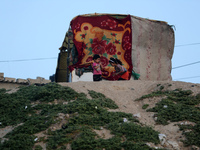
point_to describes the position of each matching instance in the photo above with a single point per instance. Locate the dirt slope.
(124, 93)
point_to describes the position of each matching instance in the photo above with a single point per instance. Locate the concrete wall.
(85, 77)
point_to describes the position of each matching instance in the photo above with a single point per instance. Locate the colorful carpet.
(106, 36)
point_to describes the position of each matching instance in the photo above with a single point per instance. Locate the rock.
(53, 129)
(162, 138)
(195, 147)
(61, 115)
(69, 147)
(148, 144)
(137, 115)
(67, 115)
(65, 103)
(174, 145)
(155, 118)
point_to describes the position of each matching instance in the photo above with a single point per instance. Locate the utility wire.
(56, 57)
(28, 59)
(187, 78)
(187, 44)
(186, 65)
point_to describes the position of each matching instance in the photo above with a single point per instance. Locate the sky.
(31, 30)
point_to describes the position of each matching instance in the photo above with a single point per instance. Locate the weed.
(162, 87)
(102, 100)
(38, 147)
(2, 91)
(145, 106)
(153, 94)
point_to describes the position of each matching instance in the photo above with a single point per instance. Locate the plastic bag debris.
(165, 106)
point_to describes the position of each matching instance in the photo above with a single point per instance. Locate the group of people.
(116, 63)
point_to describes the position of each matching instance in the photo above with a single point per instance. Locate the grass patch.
(145, 106)
(103, 101)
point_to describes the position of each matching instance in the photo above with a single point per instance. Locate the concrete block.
(39, 80)
(22, 81)
(46, 81)
(6, 79)
(33, 81)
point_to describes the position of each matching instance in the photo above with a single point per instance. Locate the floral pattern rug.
(106, 36)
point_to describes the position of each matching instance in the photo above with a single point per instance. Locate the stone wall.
(8, 83)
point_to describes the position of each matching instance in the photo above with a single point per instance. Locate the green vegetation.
(34, 110)
(193, 136)
(179, 105)
(38, 147)
(18, 141)
(145, 106)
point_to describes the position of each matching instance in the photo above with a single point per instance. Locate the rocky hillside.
(106, 115)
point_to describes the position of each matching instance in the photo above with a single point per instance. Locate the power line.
(56, 57)
(187, 78)
(186, 65)
(187, 44)
(28, 59)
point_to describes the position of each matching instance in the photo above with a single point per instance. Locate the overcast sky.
(35, 29)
